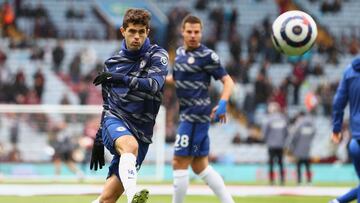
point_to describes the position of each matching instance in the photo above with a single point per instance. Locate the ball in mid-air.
(294, 32)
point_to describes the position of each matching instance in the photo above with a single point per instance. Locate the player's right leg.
(181, 160)
(181, 177)
(354, 193)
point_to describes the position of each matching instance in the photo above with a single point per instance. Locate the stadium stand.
(84, 35)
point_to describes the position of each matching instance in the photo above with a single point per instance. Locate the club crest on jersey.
(164, 60)
(142, 64)
(120, 129)
(191, 60)
(214, 56)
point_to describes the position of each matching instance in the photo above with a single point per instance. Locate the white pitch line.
(78, 189)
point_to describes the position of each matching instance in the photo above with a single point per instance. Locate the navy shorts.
(192, 139)
(114, 128)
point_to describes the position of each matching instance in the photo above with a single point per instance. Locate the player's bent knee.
(181, 162)
(126, 144)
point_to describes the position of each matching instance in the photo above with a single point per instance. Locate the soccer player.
(275, 132)
(300, 143)
(132, 87)
(195, 64)
(349, 92)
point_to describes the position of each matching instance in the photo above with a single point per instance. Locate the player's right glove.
(97, 154)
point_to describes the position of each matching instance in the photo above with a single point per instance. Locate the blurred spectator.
(233, 19)
(3, 57)
(32, 97)
(39, 83)
(249, 105)
(14, 155)
(217, 17)
(75, 66)
(235, 47)
(236, 139)
(262, 89)
(20, 89)
(58, 55)
(201, 4)
(74, 13)
(64, 147)
(275, 132)
(332, 6)
(298, 76)
(7, 18)
(37, 53)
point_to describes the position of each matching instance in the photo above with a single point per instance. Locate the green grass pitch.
(166, 199)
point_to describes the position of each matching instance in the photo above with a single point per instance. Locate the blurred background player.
(195, 64)
(275, 133)
(132, 84)
(348, 91)
(64, 147)
(301, 138)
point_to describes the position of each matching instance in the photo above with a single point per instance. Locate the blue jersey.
(192, 74)
(137, 102)
(348, 91)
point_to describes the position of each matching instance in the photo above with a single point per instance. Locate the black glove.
(102, 78)
(97, 154)
(105, 77)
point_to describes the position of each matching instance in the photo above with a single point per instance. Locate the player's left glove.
(97, 154)
(106, 77)
(220, 111)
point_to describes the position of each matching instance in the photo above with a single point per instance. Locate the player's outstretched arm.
(153, 83)
(219, 112)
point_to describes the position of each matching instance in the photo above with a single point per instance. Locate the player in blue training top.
(132, 86)
(195, 64)
(349, 92)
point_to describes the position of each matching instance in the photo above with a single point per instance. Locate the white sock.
(128, 174)
(181, 182)
(216, 183)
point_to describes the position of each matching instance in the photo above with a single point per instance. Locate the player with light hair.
(195, 65)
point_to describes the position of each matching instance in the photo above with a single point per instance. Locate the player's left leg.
(127, 147)
(201, 167)
(279, 154)
(111, 192)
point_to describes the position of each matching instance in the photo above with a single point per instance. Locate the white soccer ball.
(294, 32)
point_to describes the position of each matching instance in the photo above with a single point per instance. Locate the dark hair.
(192, 20)
(136, 16)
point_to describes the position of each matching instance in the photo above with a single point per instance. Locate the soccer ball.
(294, 32)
